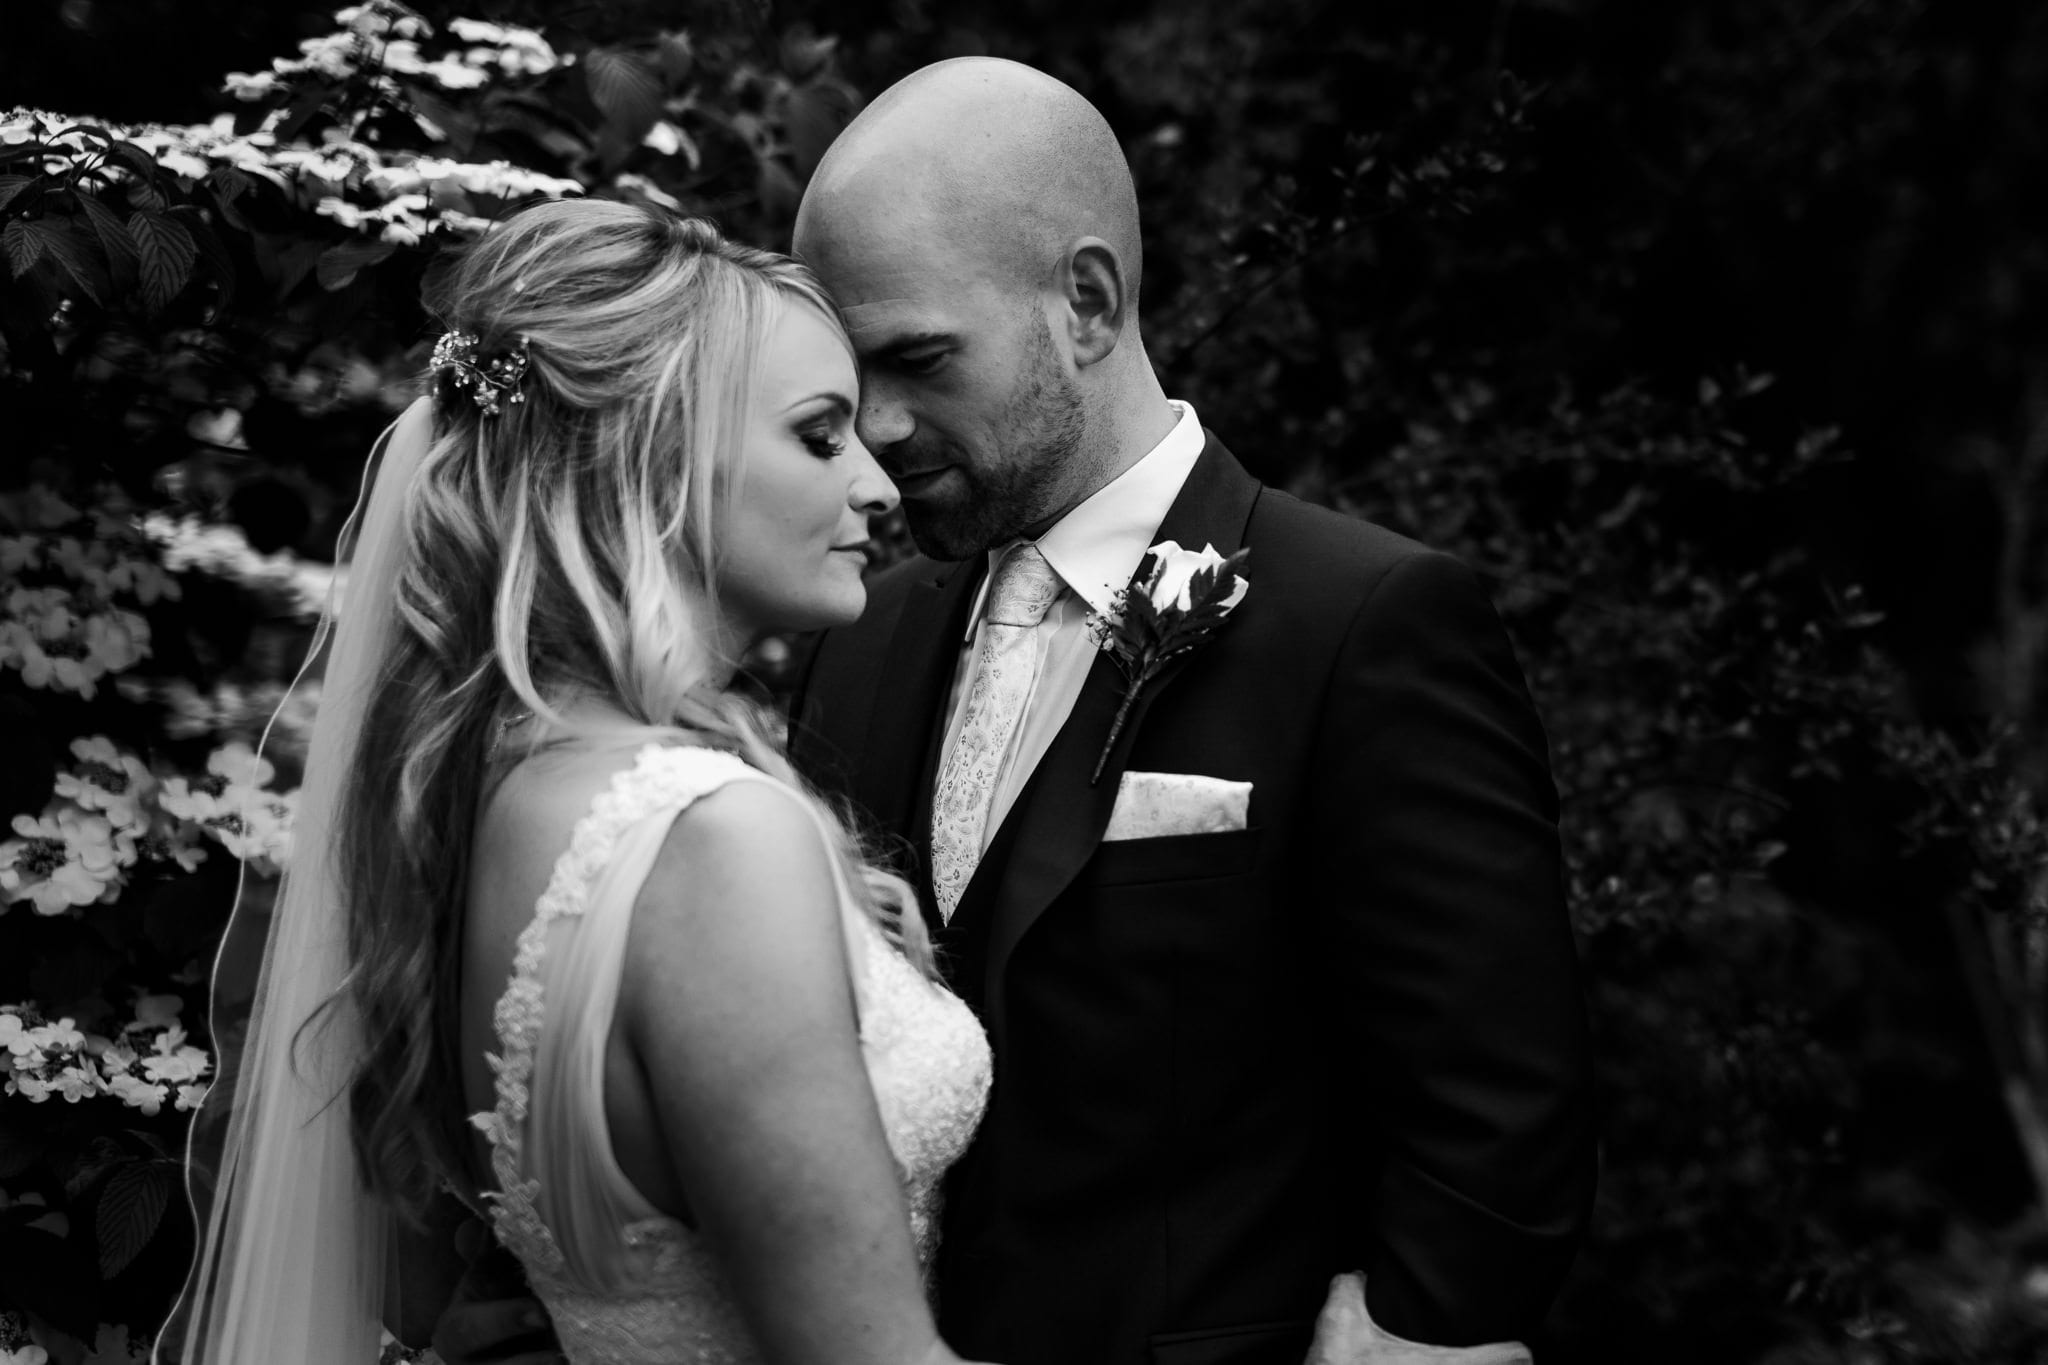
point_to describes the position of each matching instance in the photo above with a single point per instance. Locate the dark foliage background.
(1713, 331)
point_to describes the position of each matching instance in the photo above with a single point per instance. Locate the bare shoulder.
(738, 917)
(526, 821)
(753, 825)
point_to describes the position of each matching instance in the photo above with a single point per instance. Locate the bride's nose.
(870, 490)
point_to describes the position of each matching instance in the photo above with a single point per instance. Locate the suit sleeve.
(1455, 989)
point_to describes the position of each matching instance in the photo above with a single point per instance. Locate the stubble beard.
(1046, 423)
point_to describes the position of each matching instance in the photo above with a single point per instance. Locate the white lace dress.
(626, 1284)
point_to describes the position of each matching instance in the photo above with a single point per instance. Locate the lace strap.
(661, 777)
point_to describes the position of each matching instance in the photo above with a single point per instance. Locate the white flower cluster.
(408, 211)
(110, 812)
(67, 636)
(101, 564)
(381, 40)
(234, 710)
(65, 641)
(287, 584)
(512, 50)
(351, 182)
(388, 195)
(495, 179)
(347, 56)
(105, 817)
(148, 1063)
(17, 1347)
(234, 806)
(403, 220)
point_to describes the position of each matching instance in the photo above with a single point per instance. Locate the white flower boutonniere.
(1178, 599)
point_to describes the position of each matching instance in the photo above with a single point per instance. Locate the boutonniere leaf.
(1178, 599)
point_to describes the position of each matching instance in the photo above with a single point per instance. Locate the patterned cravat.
(1005, 668)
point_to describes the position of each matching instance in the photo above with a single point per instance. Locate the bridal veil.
(295, 1253)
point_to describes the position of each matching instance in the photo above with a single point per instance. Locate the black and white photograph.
(940, 682)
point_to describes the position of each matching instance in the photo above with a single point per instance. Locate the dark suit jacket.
(1228, 1066)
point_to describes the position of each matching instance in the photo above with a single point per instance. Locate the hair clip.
(488, 381)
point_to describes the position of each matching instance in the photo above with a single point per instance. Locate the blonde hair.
(564, 547)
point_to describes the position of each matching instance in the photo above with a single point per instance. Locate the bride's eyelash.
(823, 443)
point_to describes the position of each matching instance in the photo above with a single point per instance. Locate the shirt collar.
(1096, 547)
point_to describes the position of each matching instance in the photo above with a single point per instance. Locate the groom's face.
(966, 400)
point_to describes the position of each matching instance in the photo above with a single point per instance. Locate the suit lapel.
(916, 677)
(1058, 818)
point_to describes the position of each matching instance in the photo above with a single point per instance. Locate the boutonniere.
(1178, 599)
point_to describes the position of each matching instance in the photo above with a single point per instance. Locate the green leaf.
(22, 246)
(140, 162)
(812, 116)
(805, 54)
(339, 263)
(166, 252)
(93, 131)
(1208, 590)
(123, 260)
(229, 185)
(73, 252)
(215, 253)
(304, 105)
(778, 189)
(99, 1155)
(570, 144)
(11, 185)
(455, 125)
(678, 57)
(131, 1209)
(625, 90)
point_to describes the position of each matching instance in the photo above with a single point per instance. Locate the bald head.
(979, 157)
(978, 227)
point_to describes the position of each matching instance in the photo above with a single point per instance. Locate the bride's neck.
(581, 712)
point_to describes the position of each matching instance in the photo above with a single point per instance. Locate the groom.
(1289, 990)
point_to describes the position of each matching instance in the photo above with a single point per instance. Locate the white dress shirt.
(1095, 548)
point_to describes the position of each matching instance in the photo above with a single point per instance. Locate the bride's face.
(795, 534)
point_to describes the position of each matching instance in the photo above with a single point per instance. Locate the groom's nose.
(883, 419)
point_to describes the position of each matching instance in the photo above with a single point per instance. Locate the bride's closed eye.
(822, 440)
(822, 422)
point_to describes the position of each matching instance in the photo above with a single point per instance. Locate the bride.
(565, 935)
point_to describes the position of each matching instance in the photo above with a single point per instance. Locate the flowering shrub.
(204, 326)
(110, 814)
(147, 1063)
(116, 873)
(364, 144)
(282, 581)
(70, 634)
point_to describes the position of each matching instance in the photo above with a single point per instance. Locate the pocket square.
(1153, 805)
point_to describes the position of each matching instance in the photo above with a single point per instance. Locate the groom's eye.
(920, 362)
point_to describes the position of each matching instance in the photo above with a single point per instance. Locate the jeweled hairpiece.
(488, 381)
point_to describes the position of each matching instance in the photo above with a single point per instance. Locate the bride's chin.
(847, 614)
(842, 610)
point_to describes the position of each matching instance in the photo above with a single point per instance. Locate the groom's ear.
(1098, 299)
